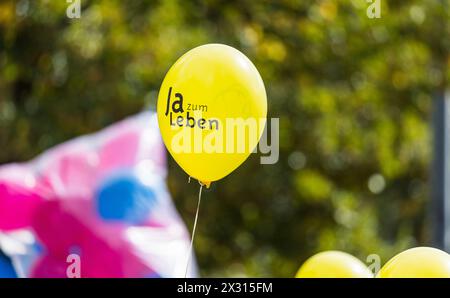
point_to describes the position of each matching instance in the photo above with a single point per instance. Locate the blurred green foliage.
(353, 95)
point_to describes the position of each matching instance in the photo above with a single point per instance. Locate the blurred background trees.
(353, 95)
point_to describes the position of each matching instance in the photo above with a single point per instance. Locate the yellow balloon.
(333, 264)
(208, 105)
(419, 262)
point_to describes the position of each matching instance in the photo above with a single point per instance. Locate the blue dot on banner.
(6, 268)
(125, 198)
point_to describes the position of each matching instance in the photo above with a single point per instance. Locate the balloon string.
(193, 230)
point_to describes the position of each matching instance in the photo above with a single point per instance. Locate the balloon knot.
(206, 184)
